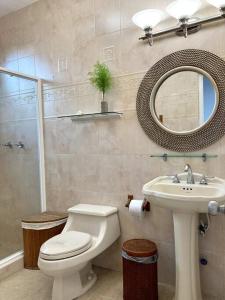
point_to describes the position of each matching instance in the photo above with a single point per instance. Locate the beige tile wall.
(103, 161)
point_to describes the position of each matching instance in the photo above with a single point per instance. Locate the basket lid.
(48, 216)
(140, 248)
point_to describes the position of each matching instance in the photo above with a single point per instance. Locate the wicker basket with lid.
(37, 229)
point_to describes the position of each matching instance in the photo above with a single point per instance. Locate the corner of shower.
(22, 178)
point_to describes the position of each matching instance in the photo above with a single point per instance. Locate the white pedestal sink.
(186, 201)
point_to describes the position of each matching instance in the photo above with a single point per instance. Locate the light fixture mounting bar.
(190, 25)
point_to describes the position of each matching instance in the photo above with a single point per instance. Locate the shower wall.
(19, 167)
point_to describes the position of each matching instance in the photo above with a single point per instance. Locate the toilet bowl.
(89, 230)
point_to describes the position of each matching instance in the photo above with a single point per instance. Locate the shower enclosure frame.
(18, 256)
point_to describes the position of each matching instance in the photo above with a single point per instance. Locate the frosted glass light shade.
(217, 3)
(181, 9)
(147, 18)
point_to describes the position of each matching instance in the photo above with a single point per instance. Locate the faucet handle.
(9, 145)
(175, 178)
(204, 179)
(20, 145)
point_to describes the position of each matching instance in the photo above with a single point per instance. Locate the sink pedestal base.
(187, 256)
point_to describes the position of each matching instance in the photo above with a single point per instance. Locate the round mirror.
(187, 100)
(184, 100)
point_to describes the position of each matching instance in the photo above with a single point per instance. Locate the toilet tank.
(92, 219)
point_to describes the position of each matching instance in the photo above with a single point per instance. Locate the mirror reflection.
(185, 101)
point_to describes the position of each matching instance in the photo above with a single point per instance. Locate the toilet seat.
(65, 245)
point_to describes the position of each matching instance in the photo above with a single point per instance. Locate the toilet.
(90, 229)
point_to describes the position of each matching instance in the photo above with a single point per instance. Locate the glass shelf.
(107, 115)
(203, 156)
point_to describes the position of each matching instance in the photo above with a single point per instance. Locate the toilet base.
(72, 285)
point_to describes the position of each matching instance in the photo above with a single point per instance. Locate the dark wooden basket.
(140, 281)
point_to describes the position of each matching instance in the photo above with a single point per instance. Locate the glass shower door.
(19, 159)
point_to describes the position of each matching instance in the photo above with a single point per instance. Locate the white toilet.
(89, 230)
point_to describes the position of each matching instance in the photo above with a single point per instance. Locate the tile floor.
(33, 285)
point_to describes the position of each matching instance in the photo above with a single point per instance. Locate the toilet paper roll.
(136, 208)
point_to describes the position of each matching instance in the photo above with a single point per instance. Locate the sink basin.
(182, 196)
(186, 201)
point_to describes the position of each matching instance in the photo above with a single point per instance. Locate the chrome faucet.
(190, 176)
(20, 145)
(9, 145)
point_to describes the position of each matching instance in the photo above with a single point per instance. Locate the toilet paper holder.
(146, 206)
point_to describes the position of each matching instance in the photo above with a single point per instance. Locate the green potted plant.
(101, 79)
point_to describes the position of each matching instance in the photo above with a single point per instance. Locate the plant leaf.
(101, 77)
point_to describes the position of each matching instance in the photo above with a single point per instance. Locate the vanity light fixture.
(217, 3)
(183, 11)
(148, 19)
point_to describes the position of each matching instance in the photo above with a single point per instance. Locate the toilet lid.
(66, 245)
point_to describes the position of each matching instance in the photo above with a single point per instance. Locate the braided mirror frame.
(207, 134)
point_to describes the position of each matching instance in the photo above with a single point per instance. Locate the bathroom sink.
(182, 196)
(186, 197)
